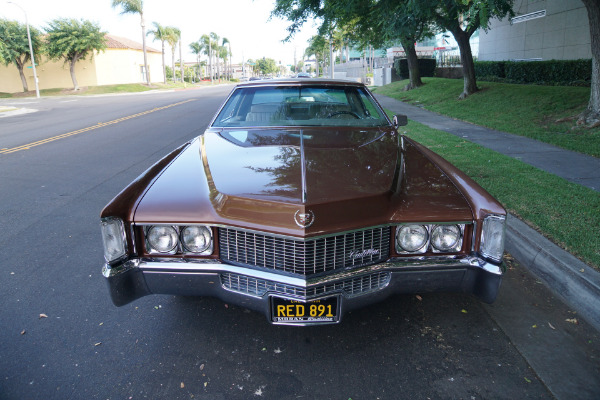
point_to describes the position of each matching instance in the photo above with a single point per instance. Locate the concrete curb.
(571, 279)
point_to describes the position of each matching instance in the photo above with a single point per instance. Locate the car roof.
(303, 82)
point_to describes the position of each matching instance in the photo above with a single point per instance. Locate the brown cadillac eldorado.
(302, 201)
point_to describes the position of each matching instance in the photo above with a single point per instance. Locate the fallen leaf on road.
(97, 344)
(572, 320)
(205, 383)
(181, 385)
(43, 316)
(419, 298)
(550, 325)
(464, 311)
(527, 380)
(201, 367)
(534, 326)
(23, 332)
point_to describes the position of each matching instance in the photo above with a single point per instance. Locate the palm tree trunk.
(163, 63)
(181, 62)
(143, 23)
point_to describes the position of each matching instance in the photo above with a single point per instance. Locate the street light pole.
(35, 79)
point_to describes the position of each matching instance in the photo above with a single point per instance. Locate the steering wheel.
(333, 114)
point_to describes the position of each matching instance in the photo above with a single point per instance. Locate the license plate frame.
(305, 312)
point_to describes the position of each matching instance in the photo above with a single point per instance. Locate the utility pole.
(35, 78)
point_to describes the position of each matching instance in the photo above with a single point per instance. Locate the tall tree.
(72, 41)
(214, 44)
(366, 23)
(160, 33)
(228, 43)
(196, 48)
(462, 19)
(14, 46)
(136, 7)
(206, 43)
(173, 35)
(591, 116)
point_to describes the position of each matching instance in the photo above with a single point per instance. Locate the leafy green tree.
(136, 7)
(14, 46)
(365, 23)
(463, 18)
(407, 20)
(72, 41)
(160, 33)
(266, 66)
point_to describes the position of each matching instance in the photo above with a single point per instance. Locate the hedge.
(550, 72)
(426, 67)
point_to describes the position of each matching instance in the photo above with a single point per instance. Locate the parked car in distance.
(302, 201)
(303, 75)
(254, 78)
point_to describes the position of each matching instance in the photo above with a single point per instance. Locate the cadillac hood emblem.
(304, 220)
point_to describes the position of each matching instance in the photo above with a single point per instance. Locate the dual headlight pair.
(168, 239)
(418, 239)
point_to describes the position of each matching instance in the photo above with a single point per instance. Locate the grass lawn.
(538, 112)
(566, 213)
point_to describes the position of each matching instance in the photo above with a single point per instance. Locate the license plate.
(296, 311)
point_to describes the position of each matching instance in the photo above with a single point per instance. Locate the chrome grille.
(259, 287)
(305, 257)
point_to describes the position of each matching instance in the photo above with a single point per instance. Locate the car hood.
(261, 179)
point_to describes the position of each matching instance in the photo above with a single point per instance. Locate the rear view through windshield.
(300, 106)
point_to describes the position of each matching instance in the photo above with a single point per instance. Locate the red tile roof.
(118, 42)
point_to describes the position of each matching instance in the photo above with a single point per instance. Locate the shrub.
(550, 72)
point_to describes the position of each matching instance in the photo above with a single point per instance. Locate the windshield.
(300, 106)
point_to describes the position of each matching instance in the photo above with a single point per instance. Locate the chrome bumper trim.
(136, 278)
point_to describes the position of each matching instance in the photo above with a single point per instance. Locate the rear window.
(300, 106)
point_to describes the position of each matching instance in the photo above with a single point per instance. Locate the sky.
(244, 22)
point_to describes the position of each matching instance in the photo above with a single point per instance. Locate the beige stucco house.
(121, 62)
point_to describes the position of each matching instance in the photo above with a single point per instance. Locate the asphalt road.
(62, 338)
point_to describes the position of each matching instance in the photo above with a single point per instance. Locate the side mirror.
(400, 120)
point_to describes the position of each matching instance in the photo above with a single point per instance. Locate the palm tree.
(215, 50)
(205, 42)
(228, 43)
(173, 35)
(160, 33)
(196, 48)
(223, 54)
(136, 7)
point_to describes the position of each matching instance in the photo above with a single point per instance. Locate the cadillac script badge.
(304, 220)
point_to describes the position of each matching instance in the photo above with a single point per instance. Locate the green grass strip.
(533, 111)
(566, 213)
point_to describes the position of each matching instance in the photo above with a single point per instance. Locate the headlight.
(113, 238)
(162, 239)
(197, 239)
(411, 238)
(492, 237)
(446, 238)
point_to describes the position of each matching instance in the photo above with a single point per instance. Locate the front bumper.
(253, 289)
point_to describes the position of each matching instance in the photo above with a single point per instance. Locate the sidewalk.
(572, 280)
(572, 166)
